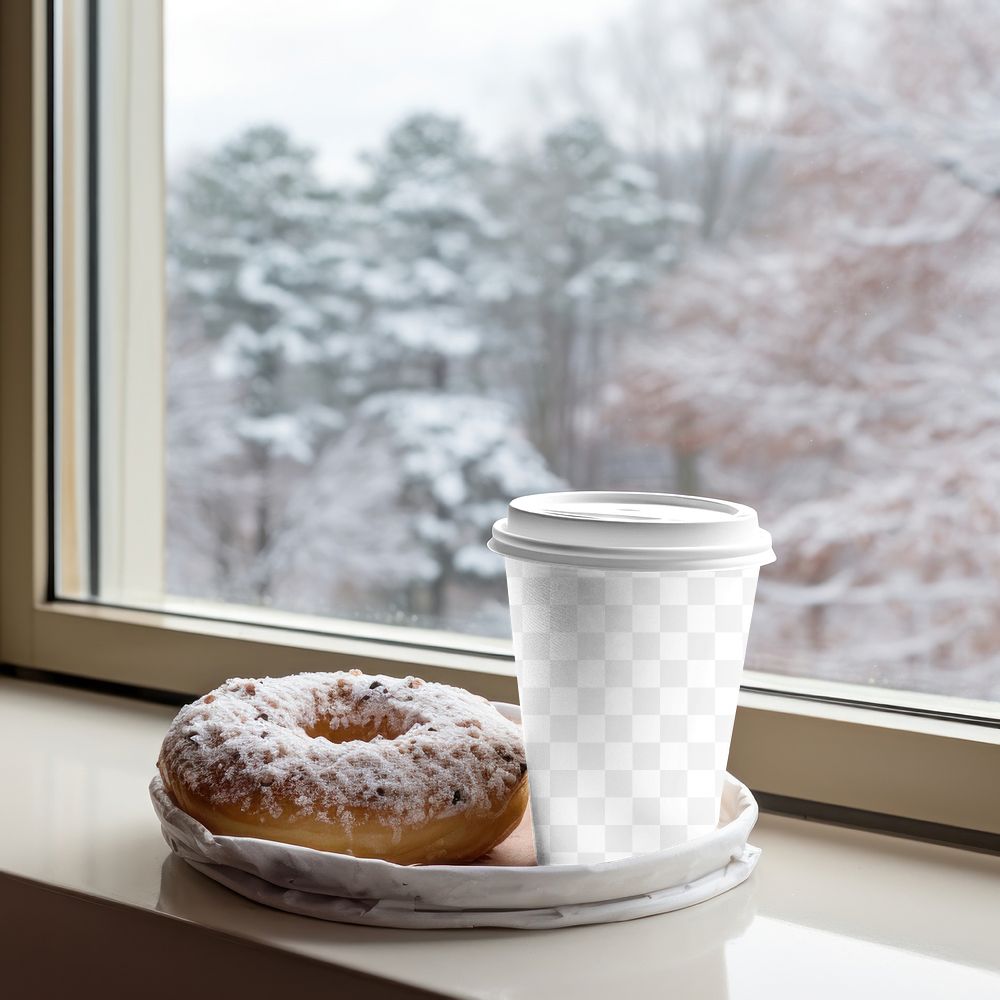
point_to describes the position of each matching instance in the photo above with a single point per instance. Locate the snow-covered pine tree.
(426, 276)
(425, 237)
(252, 257)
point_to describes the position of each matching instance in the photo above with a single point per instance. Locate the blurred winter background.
(426, 257)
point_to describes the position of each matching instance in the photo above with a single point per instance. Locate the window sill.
(189, 653)
(840, 755)
(75, 766)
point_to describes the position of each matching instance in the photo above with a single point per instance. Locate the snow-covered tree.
(459, 459)
(252, 253)
(426, 272)
(834, 369)
(423, 243)
(678, 90)
(587, 232)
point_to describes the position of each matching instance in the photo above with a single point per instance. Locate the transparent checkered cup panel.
(630, 614)
(628, 684)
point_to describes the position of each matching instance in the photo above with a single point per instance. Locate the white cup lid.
(632, 531)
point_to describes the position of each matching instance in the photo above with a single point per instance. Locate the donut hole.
(360, 732)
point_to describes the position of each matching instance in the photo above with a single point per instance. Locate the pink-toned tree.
(834, 363)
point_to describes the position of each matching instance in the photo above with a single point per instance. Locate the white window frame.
(813, 747)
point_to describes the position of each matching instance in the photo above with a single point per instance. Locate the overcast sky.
(339, 73)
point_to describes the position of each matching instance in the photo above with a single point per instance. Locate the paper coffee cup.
(630, 614)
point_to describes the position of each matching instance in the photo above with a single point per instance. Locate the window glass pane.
(421, 258)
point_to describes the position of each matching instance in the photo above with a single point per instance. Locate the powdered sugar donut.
(373, 766)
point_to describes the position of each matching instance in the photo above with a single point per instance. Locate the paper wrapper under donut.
(495, 892)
